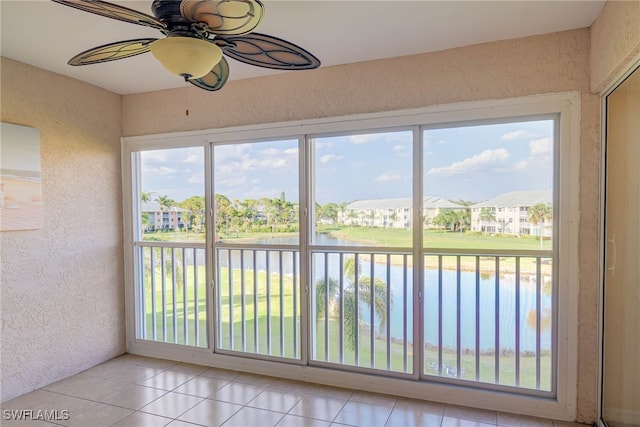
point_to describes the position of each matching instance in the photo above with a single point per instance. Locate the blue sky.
(471, 163)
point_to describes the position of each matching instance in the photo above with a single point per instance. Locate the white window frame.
(567, 105)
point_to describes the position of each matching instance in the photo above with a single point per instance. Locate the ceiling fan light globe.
(188, 57)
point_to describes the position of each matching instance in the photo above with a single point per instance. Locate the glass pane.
(259, 301)
(172, 295)
(256, 204)
(172, 195)
(363, 190)
(256, 192)
(362, 311)
(489, 186)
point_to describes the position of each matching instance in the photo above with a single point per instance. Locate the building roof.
(517, 198)
(430, 202)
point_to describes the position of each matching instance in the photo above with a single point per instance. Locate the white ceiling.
(46, 34)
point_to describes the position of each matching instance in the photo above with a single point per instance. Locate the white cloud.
(329, 157)
(522, 164)
(386, 177)
(159, 156)
(323, 144)
(399, 148)
(517, 134)
(485, 159)
(195, 179)
(540, 146)
(161, 170)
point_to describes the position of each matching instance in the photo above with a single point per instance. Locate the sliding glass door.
(421, 252)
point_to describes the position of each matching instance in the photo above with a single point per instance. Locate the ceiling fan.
(197, 34)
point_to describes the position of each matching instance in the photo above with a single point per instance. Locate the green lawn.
(388, 237)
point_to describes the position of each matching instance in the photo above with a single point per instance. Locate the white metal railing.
(258, 300)
(171, 293)
(487, 316)
(362, 303)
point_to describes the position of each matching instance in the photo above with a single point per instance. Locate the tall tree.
(165, 202)
(225, 212)
(539, 215)
(145, 196)
(195, 218)
(487, 215)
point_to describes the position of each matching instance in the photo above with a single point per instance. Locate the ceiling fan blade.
(267, 51)
(216, 78)
(225, 17)
(111, 52)
(115, 11)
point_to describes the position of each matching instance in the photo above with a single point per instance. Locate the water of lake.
(485, 299)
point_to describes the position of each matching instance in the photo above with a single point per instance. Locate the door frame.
(635, 66)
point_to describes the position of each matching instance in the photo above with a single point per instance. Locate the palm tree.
(146, 221)
(145, 196)
(165, 202)
(487, 215)
(539, 214)
(348, 297)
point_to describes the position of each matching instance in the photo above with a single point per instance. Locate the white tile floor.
(133, 391)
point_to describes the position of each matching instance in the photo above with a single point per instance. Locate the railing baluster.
(219, 294)
(243, 305)
(281, 303)
(458, 315)
(388, 311)
(154, 326)
(268, 302)
(231, 297)
(142, 292)
(255, 304)
(497, 322)
(538, 309)
(295, 305)
(326, 306)
(164, 296)
(196, 299)
(372, 308)
(440, 315)
(405, 305)
(477, 318)
(356, 310)
(173, 295)
(517, 321)
(185, 323)
(341, 326)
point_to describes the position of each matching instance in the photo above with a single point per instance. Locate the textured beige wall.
(62, 292)
(615, 42)
(534, 65)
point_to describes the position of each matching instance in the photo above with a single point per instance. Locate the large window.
(488, 265)
(416, 247)
(362, 281)
(170, 246)
(256, 253)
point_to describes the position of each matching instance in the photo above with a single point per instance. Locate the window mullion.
(418, 258)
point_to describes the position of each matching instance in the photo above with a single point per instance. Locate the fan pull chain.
(186, 98)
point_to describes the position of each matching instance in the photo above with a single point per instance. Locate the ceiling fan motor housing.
(168, 11)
